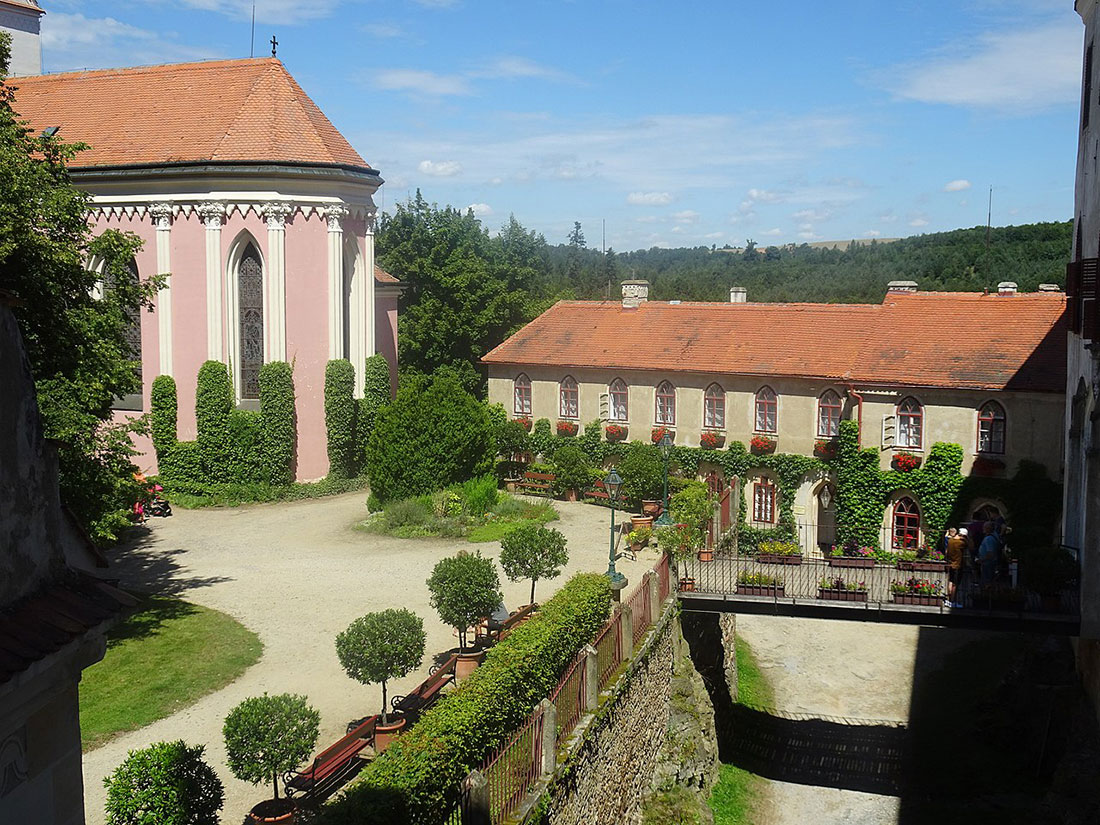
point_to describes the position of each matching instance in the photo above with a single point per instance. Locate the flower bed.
(615, 433)
(567, 428)
(710, 440)
(761, 444)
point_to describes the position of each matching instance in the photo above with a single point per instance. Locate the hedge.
(245, 464)
(278, 422)
(376, 395)
(417, 778)
(164, 412)
(340, 419)
(213, 402)
(181, 462)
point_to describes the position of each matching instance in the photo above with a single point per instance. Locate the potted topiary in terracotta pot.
(464, 590)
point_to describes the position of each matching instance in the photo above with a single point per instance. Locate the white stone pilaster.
(275, 282)
(213, 214)
(336, 309)
(372, 340)
(161, 213)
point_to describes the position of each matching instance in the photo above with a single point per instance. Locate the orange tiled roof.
(383, 277)
(225, 110)
(939, 339)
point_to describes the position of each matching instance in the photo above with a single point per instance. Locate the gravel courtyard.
(297, 574)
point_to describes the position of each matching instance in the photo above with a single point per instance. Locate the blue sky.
(679, 124)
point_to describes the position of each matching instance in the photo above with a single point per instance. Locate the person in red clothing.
(956, 558)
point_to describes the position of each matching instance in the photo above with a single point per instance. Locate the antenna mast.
(989, 218)
(252, 42)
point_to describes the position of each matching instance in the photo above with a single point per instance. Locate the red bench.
(537, 482)
(333, 765)
(427, 693)
(598, 491)
(487, 634)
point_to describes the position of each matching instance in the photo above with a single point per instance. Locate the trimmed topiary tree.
(377, 393)
(465, 589)
(382, 646)
(168, 783)
(164, 406)
(572, 469)
(213, 403)
(278, 422)
(642, 470)
(433, 435)
(266, 736)
(341, 412)
(533, 552)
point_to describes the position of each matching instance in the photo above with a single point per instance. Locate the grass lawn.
(159, 660)
(417, 518)
(738, 793)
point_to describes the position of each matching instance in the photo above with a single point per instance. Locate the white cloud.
(872, 233)
(713, 236)
(1014, 71)
(647, 219)
(686, 216)
(267, 11)
(887, 217)
(763, 196)
(442, 169)
(421, 82)
(814, 215)
(481, 210)
(382, 30)
(436, 4)
(511, 67)
(808, 235)
(73, 41)
(649, 198)
(775, 230)
(918, 222)
(956, 185)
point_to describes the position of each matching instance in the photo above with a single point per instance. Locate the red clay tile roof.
(226, 110)
(26, 4)
(383, 277)
(938, 339)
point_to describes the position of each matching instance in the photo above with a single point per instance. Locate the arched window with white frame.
(619, 397)
(522, 396)
(568, 398)
(910, 424)
(991, 428)
(714, 408)
(665, 412)
(767, 411)
(250, 321)
(829, 409)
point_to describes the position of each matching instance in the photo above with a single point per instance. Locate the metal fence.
(513, 769)
(609, 648)
(570, 697)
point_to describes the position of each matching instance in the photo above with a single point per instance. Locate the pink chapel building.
(258, 208)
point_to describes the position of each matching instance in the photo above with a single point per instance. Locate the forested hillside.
(467, 290)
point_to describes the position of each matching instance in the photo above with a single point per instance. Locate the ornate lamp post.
(664, 520)
(613, 483)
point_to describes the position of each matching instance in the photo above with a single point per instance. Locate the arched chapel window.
(991, 428)
(250, 315)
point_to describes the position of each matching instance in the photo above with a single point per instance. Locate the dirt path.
(297, 574)
(853, 670)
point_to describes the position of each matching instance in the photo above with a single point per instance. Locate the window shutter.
(889, 429)
(1073, 293)
(605, 406)
(1087, 298)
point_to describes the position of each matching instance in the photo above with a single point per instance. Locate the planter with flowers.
(917, 591)
(711, 440)
(779, 552)
(906, 462)
(759, 584)
(931, 562)
(838, 590)
(567, 428)
(525, 422)
(852, 555)
(762, 444)
(825, 448)
(657, 433)
(637, 539)
(615, 433)
(987, 466)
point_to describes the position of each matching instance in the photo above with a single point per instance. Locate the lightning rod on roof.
(252, 42)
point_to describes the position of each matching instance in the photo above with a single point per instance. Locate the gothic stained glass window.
(132, 335)
(250, 313)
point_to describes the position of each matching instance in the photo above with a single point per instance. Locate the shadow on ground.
(143, 564)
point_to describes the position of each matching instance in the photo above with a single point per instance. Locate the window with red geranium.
(991, 428)
(767, 410)
(829, 409)
(620, 404)
(910, 424)
(666, 404)
(569, 403)
(522, 395)
(714, 407)
(906, 524)
(763, 501)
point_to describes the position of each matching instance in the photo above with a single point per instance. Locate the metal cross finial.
(274, 45)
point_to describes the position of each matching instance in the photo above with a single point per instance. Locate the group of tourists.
(980, 547)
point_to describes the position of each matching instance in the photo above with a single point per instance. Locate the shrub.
(542, 438)
(168, 783)
(572, 468)
(416, 779)
(479, 495)
(433, 435)
(165, 410)
(213, 403)
(278, 422)
(382, 646)
(642, 470)
(182, 462)
(511, 439)
(266, 736)
(465, 589)
(693, 506)
(341, 411)
(533, 552)
(376, 394)
(244, 448)
(409, 512)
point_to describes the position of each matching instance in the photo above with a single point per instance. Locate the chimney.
(1049, 288)
(738, 295)
(635, 293)
(901, 286)
(1006, 288)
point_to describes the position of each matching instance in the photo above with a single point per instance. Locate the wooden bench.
(427, 693)
(598, 491)
(489, 634)
(537, 482)
(333, 765)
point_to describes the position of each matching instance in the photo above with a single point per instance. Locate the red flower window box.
(615, 432)
(659, 432)
(825, 448)
(525, 422)
(710, 440)
(762, 444)
(906, 462)
(567, 428)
